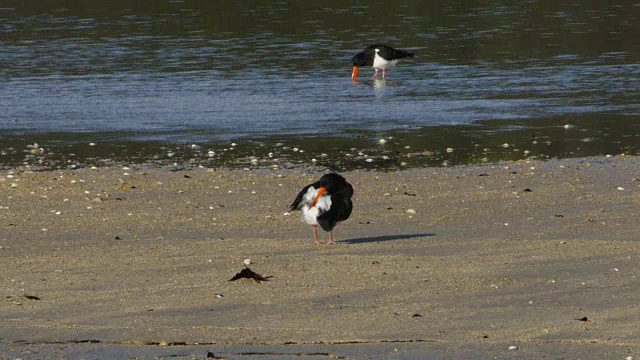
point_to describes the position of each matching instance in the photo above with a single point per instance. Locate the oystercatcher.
(378, 57)
(325, 202)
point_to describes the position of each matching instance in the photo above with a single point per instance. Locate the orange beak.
(354, 73)
(315, 199)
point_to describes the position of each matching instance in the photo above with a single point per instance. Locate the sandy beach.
(524, 259)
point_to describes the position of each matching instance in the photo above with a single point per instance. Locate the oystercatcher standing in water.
(325, 202)
(378, 57)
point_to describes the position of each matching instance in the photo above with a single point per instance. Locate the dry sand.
(458, 262)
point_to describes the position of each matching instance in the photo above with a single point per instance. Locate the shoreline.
(463, 260)
(482, 142)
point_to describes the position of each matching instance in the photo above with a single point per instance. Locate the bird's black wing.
(340, 210)
(344, 196)
(390, 53)
(401, 54)
(296, 203)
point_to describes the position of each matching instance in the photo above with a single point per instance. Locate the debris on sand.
(247, 273)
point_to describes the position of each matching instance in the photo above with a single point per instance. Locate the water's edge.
(480, 142)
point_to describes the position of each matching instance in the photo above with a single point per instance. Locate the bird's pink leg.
(315, 235)
(375, 75)
(331, 238)
(384, 74)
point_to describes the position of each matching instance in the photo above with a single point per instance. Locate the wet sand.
(434, 263)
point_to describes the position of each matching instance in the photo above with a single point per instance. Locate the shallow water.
(209, 73)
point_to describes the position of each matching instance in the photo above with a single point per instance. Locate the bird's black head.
(333, 182)
(360, 59)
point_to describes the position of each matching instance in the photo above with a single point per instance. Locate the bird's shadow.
(385, 238)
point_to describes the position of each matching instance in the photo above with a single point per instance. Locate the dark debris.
(247, 273)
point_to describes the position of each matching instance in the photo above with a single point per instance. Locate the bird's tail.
(400, 54)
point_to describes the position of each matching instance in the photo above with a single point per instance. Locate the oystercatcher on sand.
(378, 57)
(325, 202)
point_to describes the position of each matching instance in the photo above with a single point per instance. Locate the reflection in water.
(203, 71)
(379, 83)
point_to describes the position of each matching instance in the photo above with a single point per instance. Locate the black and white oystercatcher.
(378, 57)
(325, 202)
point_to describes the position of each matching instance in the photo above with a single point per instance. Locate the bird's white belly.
(380, 63)
(310, 215)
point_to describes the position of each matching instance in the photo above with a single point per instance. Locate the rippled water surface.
(212, 72)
